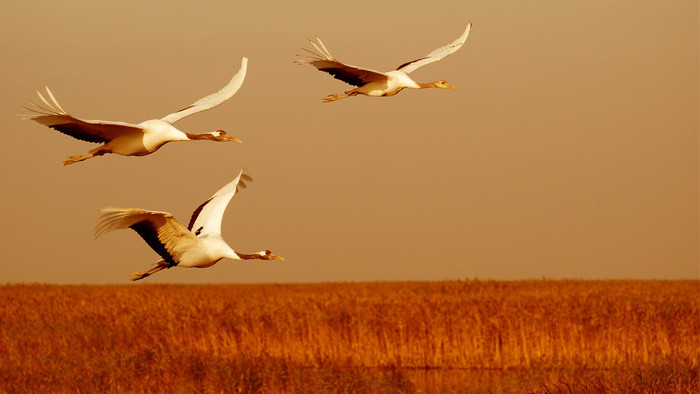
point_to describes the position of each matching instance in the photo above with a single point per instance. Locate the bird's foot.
(142, 274)
(139, 275)
(331, 97)
(75, 159)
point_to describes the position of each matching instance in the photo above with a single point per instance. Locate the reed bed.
(456, 336)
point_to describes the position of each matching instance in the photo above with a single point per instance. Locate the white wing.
(437, 54)
(213, 99)
(55, 117)
(324, 61)
(163, 233)
(206, 219)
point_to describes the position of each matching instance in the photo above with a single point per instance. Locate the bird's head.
(442, 84)
(267, 255)
(220, 135)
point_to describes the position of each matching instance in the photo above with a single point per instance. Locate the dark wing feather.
(77, 132)
(149, 233)
(324, 61)
(348, 75)
(90, 132)
(55, 117)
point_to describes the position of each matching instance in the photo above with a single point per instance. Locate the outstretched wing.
(161, 231)
(55, 117)
(324, 61)
(213, 99)
(206, 219)
(437, 54)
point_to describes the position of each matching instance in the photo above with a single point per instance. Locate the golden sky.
(571, 149)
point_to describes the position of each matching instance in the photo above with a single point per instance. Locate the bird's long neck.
(205, 136)
(245, 256)
(427, 85)
(228, 253)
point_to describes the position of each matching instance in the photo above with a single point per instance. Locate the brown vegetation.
(380, 337)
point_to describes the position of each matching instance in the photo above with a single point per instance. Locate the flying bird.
(377, 83)
(130, 139)
(199, 245)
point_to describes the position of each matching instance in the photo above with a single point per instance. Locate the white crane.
(377, 83)
(130, 139)
(199, 245)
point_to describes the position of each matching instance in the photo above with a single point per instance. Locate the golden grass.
(362, 337)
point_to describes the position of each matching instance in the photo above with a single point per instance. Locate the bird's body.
(129, 139)
(394, 83)
(199, 245)
(159, 133)
(376, 83)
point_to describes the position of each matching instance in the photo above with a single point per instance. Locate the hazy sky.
(570, 151)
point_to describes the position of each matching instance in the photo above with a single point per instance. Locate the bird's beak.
(273, 256)
(234, 139)
(451, 87)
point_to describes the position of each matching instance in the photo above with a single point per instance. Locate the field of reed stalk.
(455, 336)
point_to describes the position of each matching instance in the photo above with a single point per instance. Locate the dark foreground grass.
(461, 336)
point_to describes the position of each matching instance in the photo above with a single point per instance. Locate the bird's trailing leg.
(333, 97)
(142, 274)
(77, 158)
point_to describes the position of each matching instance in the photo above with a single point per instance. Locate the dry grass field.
(457, 336)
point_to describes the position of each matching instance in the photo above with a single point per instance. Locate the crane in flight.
(376, 83)
(129, 139)
(198, 245)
